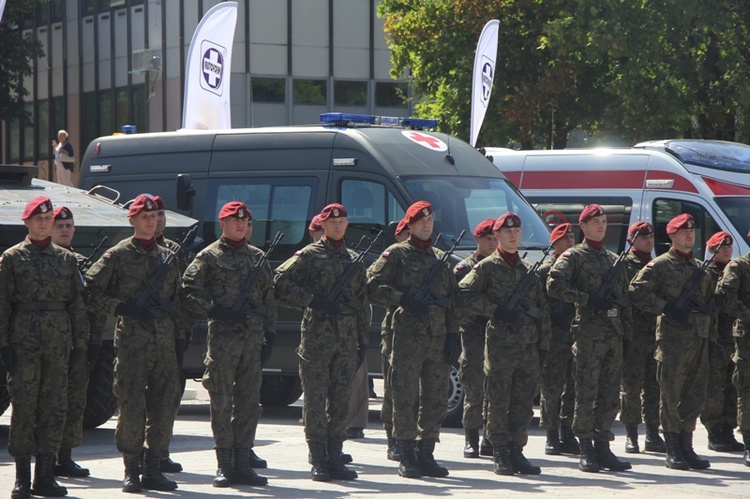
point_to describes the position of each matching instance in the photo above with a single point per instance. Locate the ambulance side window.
(370, 207)
(665, 210)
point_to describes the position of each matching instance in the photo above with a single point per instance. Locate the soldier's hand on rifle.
(269, 338)
(504, 314)
(414, 306)
(92, 354)
(9, 359)
(134, 311)
(361, 354)
(325, 305)
(597, 303)
(452, 348)
(226, 314)
(673, 312)
(75, 355)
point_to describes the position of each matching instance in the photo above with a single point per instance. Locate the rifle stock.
(607, 289)
(425, 294)
(84, 265)
(516, 299)
(686, 302)
(244, 302)
(339, 293)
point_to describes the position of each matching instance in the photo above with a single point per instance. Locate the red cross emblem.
(425, 140)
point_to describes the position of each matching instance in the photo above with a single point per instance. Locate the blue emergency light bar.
(349, 119)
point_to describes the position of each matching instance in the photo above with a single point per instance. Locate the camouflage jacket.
(579, 273)
(472, 323)
(660, 282)
(313, 272)
(733, 293)
(121, 275)
(30, 275)
(559, 332)
(401, 269)
(216, 278)
(643, 322)
(724, 322)
(491, 283)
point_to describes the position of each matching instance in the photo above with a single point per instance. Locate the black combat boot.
(408, 467)
(319, 471)
(728, 431)
(67, 467)
(552, 447)
(257, 462)
(520, 463)
(336, 467)
(631, 439)
(485, 448)
(427, 464)
(224, 472)
(675, 460)
(588, 457)
(568, 442)
(693, 459)
(392, 453)
(471, 443)
(152, 478)
(501, 458)
(22, 487)
(746, 455)
(132, 480)
(166, 465)
(345, 458)
(717, 441)
(44, 478)
(242, 472)
(654, 442)
(606, 458)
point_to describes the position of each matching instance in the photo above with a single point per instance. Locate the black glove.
(9, 359)
(414, 306)
(596, 303)
(134, 311)
(324, 305)
(542, 359)
(75, 354)
(361, 355)
(92, 354)
(671, 311)
(179, 350)
(452, 348)
(504, 314)
(226, 314)
(627, 347)
(269, 338)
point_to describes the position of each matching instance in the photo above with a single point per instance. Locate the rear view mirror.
(185, 192)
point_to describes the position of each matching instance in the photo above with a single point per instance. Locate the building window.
(271, 90)
(390, 94)
(43, 141)
(14, 153)
(28, 133)
(311, 92)
(350, 93)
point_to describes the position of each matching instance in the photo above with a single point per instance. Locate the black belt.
(41, 306)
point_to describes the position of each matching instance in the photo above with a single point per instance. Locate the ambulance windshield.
(736, 210)
(460, 203)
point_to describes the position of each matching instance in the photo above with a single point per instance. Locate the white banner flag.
(2, 8)
(208, 70)
(484, 74)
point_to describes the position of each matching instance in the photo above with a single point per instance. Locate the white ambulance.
(652, 181)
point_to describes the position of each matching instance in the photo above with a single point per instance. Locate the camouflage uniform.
(42, 316)
(386, 347)
(511, 349)
(328, 347)
(233, 373)
(146, 364)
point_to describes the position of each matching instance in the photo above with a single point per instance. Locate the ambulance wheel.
(101, 403)
(455, 401)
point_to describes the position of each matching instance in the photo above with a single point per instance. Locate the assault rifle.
(514, 302)
(607, 289)
(339, 292)
(686, 302)
(244, 302)
(86, 263)
(149, 297)
(425, 294)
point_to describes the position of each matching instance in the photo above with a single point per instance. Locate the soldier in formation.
(237, 333)
(43, 330)
(334, 339)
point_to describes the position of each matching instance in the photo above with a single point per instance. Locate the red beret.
(143, 202)
(642, 228)
(589, 212)
(720, 237)
(559, 231)
(236, 209)
(333, 210)
(400, 227)
(315, 224)
(507, 219)
(159, 203)
(484, 227)
(684, 221)
(39, 204)
(63, 213)
(417, 212)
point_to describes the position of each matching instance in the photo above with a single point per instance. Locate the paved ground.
(281, 442)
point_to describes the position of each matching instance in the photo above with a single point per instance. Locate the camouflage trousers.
(640, 388)
(144, 384)
(472, 377)
(512, 383)
(38, 392)
(741, 381)
(598, 371)
(233, 378)
(327, 375)
(720, 407)
(78, 383)
(682, 372)
(419, 383)
(557, 391)
(386, 411)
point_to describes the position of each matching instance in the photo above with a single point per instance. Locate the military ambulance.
(652, 181)
(375, 166)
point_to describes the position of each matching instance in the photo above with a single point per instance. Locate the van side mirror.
(185, 192)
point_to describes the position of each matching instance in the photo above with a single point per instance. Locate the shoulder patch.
(460, 266)
(650, 264)
(385, 254)
(1, 259)
(199, 255)
(107, 255)
(476, 266)
(298, 253)
(734, 265)
(567, 253)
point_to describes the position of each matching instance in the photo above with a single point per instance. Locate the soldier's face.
(63, 232)
(510, 238)
(161, 221)
(595, 229)
(144, 223)
(335, 228)
(724, 254)
(683, 240)
(422, 228)
(487, 244)
(40, 225)
(234, 228)
(644, 243)
(564, 243)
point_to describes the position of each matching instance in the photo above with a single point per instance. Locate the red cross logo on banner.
(425, 140)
